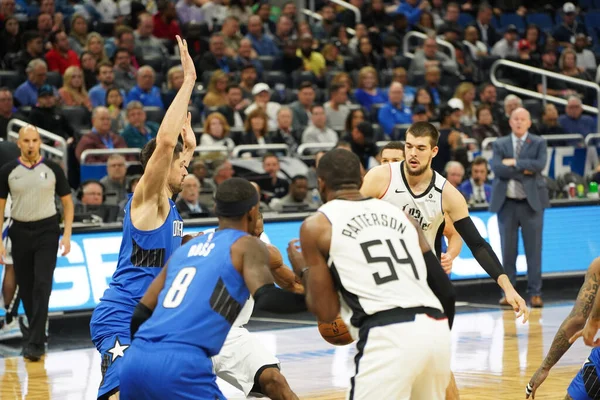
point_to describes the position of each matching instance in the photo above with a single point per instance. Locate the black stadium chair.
(10, 79)
(154, 114)
(55, 79)
(79, 117)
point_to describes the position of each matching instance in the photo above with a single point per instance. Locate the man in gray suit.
(519, 196)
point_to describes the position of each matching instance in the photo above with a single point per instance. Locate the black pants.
(34, 249)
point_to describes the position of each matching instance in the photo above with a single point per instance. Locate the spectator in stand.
(285, 133)
(231, 35)
(216, 95)
(343, 78)
(333, 60)
(95, 45)
(574, 121)
(223, 170)
(274, 187)
(61, 56)
(394, 112)
(44, 26)
(433, 79)
(327, 27)
(7, 110)
(336, 109)
(290, 10)
(262, 44)
(466, 93)
(174, 83)
(145, 92)
(389, 61)
(138, 130)
(234, 109)
(216, 58)
(124, 37)
(412, 9)
(361, 32)
(429, 56)
(377, 17)
(313, 60)
(483, 23)
(341, 40)
(216, 131)
(256, 129)
(78, 34)
(400, 75)
(73, 92)
(33, 48)
(90, 70)
(118, 116)
(565, 33)
(115, 182)
(246, 57)
(419, 114)
(362, 143)
(100, 137)
(365, 56)
(301, 107)
(148, 45)
(355, 117)
(549, 124)
(188, 204)
(91, 197)
(451, 19)
(165, 21)
(368, 93)
(264, 12)
(423, 99)
(188, 11)
(297, 197)
(449, 139)
(555, 87)
(123, 70)
(485, 126)
(262, 95)
(10, 38)
(426, 24)
(198, 168)
(476, 47)
(214, 13)
(348, 17)
(476, 189)
(507, 46)
(45, 115)
(585, 57)
(106, 77)
(533, 37)
(488, 95)
(318, 132)
(511, 103)
(289, 61)
(26, 94)
(454, 172)
(568, 66)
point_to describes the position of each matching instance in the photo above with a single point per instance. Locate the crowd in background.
(101, 75)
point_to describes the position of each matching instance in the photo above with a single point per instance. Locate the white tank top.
(375, 259)
(425, 208)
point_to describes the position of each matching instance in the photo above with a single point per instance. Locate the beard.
(420, 171)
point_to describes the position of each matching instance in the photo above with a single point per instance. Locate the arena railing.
(544, 96)
(311, 147)
(60, 150)
(260, 148)
(420, 35)
(319, 17)
(212, 149)
(592, 137)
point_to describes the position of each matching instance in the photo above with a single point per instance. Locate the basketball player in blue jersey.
(152, 231)
(190, 307)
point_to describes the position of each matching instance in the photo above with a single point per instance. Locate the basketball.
(335, 332)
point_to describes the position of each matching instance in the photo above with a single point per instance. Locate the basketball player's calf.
(274, 385)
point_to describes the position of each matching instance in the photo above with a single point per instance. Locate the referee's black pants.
(34, 251)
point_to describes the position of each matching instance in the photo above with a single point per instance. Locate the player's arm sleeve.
(482, 251)
(273, 299)
(140, 315)
(441, 286)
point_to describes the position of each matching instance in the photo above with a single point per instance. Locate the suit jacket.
(466, 188)
(228, 113)
(208, 62)
(492, 35)
(185, 211)
(532, 158)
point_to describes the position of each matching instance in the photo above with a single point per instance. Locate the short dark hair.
(232, 86)
(52, 37)
(394, 145)
(479, 160)
(103, 64)
(298, 177)
(119, 50)
(269, 155)
(149, 148)
(335, 87)
(484, 86)
(235, 190)
(248, 66)
(424, 129)
(316, 105)
(121, 30)
(306, 85)
(29, 36)
(340, 168)
(481, 108)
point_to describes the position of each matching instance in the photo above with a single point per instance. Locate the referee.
(33, 183)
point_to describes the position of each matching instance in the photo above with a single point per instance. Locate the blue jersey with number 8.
(202, 296)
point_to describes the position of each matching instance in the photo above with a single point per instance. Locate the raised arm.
(574, 322)
(155, 175)
(458, 211)
(376, 181)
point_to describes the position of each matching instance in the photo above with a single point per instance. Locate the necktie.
(519, 189)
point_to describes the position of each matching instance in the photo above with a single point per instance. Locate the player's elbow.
(164, 140)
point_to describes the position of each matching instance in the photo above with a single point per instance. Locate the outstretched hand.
(189, 69)
(187, 133)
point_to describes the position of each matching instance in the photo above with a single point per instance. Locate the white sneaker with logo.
(10, 331)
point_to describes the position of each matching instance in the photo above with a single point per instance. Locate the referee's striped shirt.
(33, 189)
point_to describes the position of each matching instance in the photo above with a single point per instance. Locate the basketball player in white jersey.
(367, 257)
(414, 187)
(243, 361)
(394, 152)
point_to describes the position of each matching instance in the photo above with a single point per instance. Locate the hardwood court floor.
(493, 357)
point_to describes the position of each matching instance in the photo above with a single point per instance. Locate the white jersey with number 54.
(375, 259)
